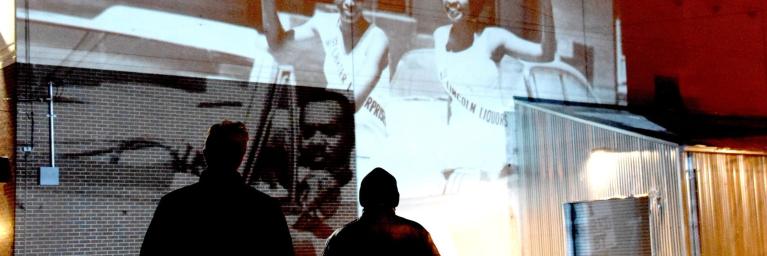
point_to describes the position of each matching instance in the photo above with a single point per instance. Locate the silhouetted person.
(380, 231)
(220, 214)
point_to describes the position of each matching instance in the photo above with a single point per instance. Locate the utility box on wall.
(49, 176)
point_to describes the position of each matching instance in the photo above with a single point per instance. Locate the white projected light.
(7, 33)
(432, 86)
(601, 169)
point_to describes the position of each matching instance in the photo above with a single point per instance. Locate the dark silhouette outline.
(380, 231)
(220, 214)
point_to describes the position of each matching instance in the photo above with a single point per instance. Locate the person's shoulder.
(342, 241)
(352, 224)
(349, 230)
(441, 34)
(410, 223)
(442, 31)
(377, 35)
(182, 193)
(324, 17)
(257, 196)
(378, 32)
(494, 29)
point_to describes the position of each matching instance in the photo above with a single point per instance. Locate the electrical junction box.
(49, 176)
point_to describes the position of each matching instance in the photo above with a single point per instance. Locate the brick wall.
(125, 139)
(7, 190)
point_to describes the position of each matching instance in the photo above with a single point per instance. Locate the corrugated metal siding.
(553, 156)
(609, 227)
(732, 195)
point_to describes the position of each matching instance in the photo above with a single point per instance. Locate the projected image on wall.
(300, 149)
(432, 82)
(7, 34)
(302, 154)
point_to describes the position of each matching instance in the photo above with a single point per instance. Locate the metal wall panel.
(554, 153)
(609, 227)
(732, 198)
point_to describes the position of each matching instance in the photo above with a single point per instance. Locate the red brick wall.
(7, 146)
(125, 139)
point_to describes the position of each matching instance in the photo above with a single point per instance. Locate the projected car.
(144, 40)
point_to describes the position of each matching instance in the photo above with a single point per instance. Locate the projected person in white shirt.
(467, 52)
(356, 51)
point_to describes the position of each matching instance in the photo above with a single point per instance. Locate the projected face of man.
(323, 136)
(351, 10)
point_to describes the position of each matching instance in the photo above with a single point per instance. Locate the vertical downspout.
(51, 115)
(27, 43)
(692, 194)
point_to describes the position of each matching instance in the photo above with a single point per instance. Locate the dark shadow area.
(37, 78)
(220, 214)
(380, 231)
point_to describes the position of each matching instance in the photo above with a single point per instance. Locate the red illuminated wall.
(715, 48)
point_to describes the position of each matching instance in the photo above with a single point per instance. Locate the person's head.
(350, 10)
(225, 145)
(461, 10)
(379, 190)
(326, 124)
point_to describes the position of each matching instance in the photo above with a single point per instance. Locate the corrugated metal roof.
(742, 134)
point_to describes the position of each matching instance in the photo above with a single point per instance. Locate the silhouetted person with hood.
(380, 231)
(220, 214)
